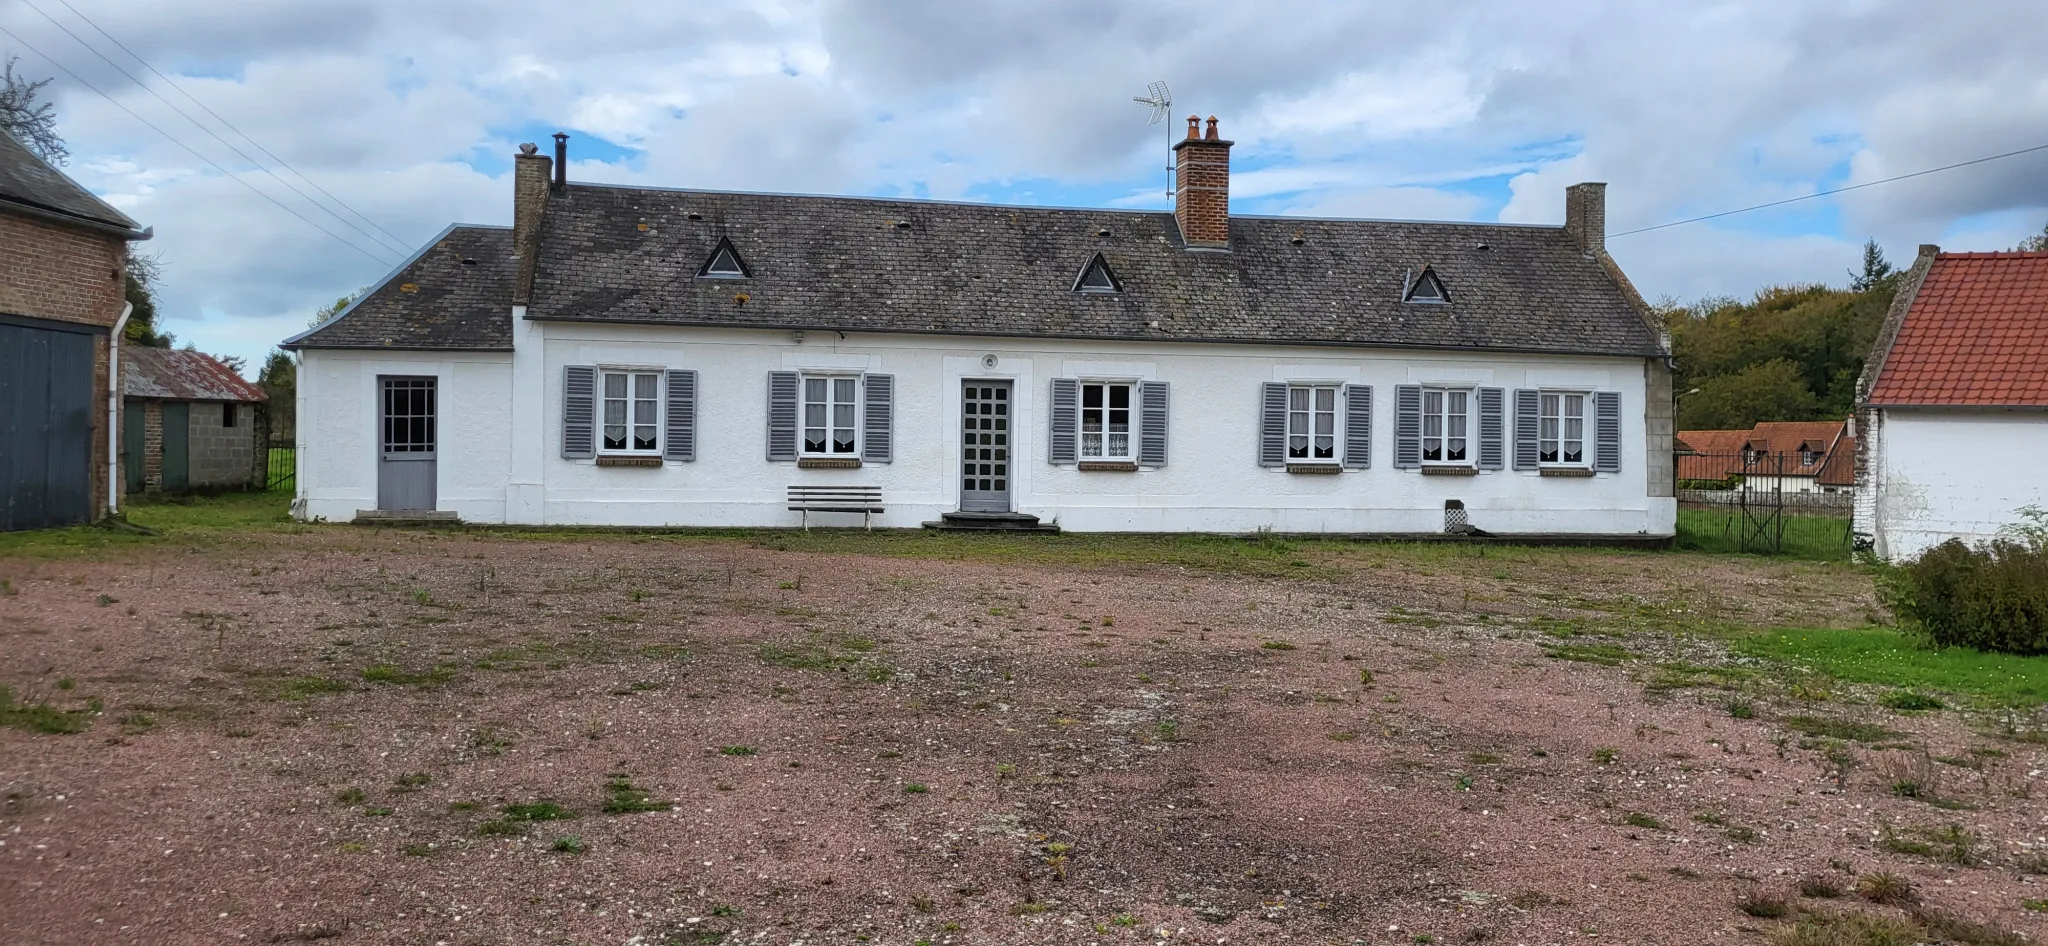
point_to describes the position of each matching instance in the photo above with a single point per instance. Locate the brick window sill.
(1108, 466)
(1568, 472)
(1315, 469)
(1450, 471)
(828, 463)
(640, 462)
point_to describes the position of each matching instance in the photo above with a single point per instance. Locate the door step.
(405, 517)
(992, 522)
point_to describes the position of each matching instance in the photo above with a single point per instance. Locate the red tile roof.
(1715, 454)
(1976, 334)
(1796, 438)
(1710, 454)
(1840, 468)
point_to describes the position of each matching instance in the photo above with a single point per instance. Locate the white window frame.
(1103, 452)
(1308, 415)
(1547, 434)
(803, 413)
(604, 399)
(1447, 394)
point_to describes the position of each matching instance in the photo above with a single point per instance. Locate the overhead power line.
(195, 153)
(231, 125)
(1838, 190)
(344, 221)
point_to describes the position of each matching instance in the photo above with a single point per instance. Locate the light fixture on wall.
(797, 336)
(989, 362)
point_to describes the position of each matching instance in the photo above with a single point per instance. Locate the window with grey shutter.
(1066, 416)
(1152, 397)
(1357, 426)
(782, 390)
(1407, 426)
(878, 419)
(1273, 424)
(682, 417)
(1607, 432)
(1493, 433)
(579, 412)
(1528, 428)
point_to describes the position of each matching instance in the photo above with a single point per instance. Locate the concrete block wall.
(222, 456)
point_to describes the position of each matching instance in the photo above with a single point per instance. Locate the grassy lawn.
(1892, 658)
(1817, 538)
(202, 518)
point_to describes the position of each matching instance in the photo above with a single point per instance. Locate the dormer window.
(1425, 287)
(724, 263)
(1097, 278)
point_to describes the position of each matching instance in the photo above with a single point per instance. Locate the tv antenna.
(1160, 98)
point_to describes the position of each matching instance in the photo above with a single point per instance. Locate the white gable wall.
(1941, 474)
(339, 439)
(1212, 481)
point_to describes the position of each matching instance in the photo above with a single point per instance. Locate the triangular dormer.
(1425, 287)
(1097, 278)
(725, 263)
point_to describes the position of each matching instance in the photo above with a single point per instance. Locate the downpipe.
(114, 410)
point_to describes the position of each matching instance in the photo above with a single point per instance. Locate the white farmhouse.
(639, 356)
(1953, 403)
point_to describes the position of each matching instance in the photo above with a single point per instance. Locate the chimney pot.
(1212, 136)
(1194, 127)
(561, 160)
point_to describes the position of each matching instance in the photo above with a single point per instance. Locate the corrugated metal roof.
(180, 375)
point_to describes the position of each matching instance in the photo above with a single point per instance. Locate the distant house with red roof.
(1778, 456)
(1952, 407)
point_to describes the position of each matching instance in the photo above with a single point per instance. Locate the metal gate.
(406, 465)
(46, 426)
(985, 447)
(1767, 503)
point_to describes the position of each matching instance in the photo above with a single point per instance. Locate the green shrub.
(1992, 596)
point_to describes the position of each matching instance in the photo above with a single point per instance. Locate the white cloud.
(410, 111)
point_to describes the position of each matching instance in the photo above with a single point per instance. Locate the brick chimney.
(1585, 216)
(1201, 187)
(529, 204)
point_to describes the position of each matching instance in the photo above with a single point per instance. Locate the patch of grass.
(1605, 756)
(1606, 655)
(1821, 727)
(40, 716)
(411, 782)
(1892, 658)
(501, 829)
(1886, 888)
(915, 788)
(1848, 929)
(1277, 645)
(296, 687)
(1819, 888)
(1907, 701)
(1739, 708)
(1947, 927)
(351, 796)
(416, 850)
(1763, 906)
(1482, 758)
(568, 844)
(1951, 844)
(736, 750)
(171, 521)
(1740, 834)
(1637, 819)
(625, 798)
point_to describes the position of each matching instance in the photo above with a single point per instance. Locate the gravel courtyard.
(355, 736)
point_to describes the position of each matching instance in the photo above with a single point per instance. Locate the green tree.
(143, 272)
(2038, 243)
(1771, 391)
(30, 121)
(279, 380)
(1877, 271)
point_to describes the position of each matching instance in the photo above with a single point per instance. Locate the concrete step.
(405, 517)
(992, 522)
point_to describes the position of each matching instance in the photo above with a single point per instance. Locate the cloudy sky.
(408, 112)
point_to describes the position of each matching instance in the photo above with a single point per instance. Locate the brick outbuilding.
(190, 422)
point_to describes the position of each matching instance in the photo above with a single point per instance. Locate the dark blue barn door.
(45, 426)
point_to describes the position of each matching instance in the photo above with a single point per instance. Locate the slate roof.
(627, 254)
(27, 179)
(179, 375)
(1976, 334)
(456, 294)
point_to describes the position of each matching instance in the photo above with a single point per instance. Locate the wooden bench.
(866, 500)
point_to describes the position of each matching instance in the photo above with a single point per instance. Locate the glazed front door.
(406, 468)
(985, 446)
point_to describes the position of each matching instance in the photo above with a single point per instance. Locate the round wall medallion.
(988, 362)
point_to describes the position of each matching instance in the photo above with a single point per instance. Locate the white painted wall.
(1211, 482)
(339, 437)
(1942, 474)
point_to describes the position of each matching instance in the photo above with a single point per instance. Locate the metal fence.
(1769, 503)
(280, 466)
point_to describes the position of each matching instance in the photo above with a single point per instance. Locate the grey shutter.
(1061, 446)
(682, 417)
(1493, 429)
(1407, 426)
(1607, 431)
(878, 419)
(1358, 426)
(1528, 429)
(579, 412)
(1273, 424)
(782, 387)
(1152, 396)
